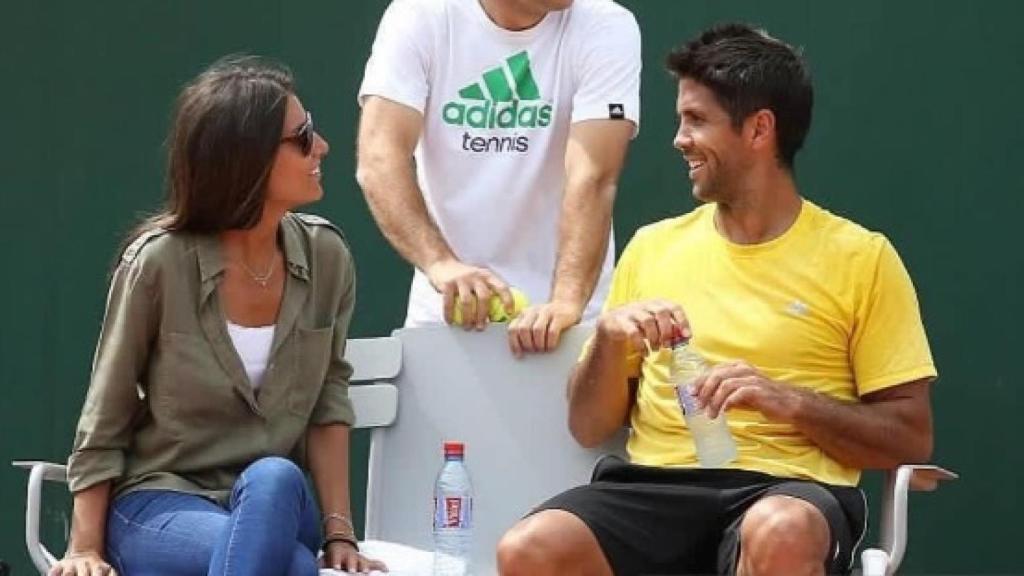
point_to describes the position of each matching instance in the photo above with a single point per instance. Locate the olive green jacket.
(169, 404)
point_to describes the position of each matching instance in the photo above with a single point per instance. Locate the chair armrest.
(898, 482)
(38, 472)
(926, 477)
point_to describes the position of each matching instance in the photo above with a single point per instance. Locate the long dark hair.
(224, 135)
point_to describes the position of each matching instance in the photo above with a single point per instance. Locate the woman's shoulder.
(320, 234)
(154, 246)
(151, 256)
(317, 228)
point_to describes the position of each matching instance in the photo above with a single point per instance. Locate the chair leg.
(874, 562)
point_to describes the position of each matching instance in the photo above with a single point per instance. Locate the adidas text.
(488, 114)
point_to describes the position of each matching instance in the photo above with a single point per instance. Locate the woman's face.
(295, 176)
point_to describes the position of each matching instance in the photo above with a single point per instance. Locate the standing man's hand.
(539, 328)
(470, 288)
(651, 322)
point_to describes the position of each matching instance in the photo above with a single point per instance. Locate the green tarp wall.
(918, 132)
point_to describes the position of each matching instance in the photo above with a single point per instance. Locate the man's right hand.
(470, 288)
(653, 321)
(82, 564)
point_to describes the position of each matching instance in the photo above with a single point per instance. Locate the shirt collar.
(211, 255)
(294, 250)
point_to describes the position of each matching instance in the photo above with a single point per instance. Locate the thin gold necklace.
(261, 279)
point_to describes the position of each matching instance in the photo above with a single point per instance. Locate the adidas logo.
(798, 308)
(505, 97)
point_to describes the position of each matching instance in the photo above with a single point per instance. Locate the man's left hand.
(738, 384)
(539, 328)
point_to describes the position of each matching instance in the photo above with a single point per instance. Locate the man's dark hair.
(748, 70)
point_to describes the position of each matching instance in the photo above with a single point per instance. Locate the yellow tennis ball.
(496, 309)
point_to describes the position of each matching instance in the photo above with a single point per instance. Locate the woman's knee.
(276, 475)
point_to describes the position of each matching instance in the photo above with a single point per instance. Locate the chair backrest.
(375, 361)
(511, 413)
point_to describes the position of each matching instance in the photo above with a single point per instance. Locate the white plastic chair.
(885, 559)
(457, 385)
(511, 414)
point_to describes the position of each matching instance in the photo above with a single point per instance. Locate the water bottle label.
(453, 512)
(687, 402)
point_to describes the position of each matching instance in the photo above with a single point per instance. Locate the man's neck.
(510, 15)
(762, 212)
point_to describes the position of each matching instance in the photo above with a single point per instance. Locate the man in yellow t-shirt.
(811, 325)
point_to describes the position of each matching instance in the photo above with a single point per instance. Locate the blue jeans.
(270, 528)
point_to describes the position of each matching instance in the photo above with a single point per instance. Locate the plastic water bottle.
(714, 443)
(453, 514)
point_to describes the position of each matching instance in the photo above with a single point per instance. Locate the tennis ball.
(496, 310)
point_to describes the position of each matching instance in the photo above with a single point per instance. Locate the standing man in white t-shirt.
(490, 145)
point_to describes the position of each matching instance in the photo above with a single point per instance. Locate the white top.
(253, 346)
(497, 107)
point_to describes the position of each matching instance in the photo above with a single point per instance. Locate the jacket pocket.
(314, 350)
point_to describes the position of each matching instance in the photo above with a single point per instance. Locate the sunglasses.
(303, 136)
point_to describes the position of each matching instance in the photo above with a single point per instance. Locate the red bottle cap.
(677, 336)
(454, 449)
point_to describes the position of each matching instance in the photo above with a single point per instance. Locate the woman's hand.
(82, 564)
(344, 556)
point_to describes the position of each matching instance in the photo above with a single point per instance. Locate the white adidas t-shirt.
(497, 107)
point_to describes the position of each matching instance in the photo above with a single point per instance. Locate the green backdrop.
(917, 133)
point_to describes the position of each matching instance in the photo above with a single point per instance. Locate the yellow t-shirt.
(827, 306)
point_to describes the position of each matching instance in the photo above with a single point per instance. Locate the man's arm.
(594, 156)
(599, 393)
(388, 133)
(886, 428)
(598, 390)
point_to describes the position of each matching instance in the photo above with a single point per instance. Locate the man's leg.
(783, 535)
(551, 542)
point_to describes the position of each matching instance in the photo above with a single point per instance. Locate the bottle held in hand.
(714, 443)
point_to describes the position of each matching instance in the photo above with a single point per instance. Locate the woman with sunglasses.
(220, 366)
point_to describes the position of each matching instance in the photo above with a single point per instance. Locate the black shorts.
(659, 521)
